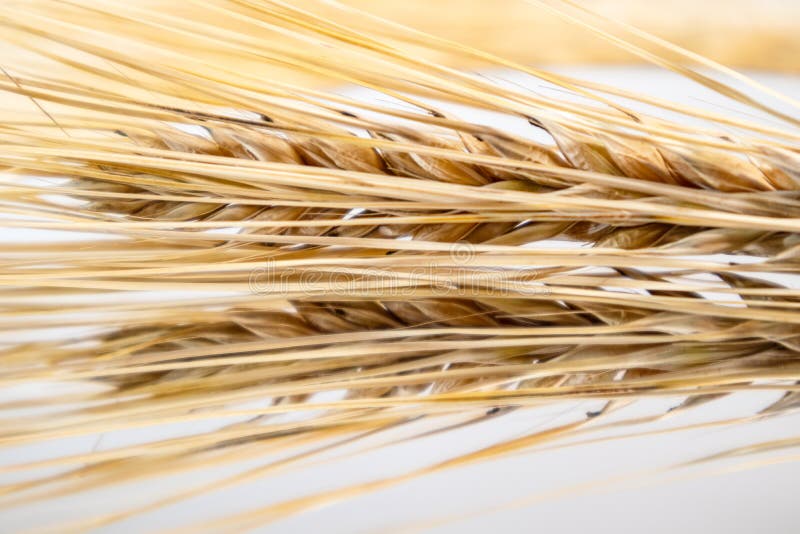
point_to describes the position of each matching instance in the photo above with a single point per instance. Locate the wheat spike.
(268, 245)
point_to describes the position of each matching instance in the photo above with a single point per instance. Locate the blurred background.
(749, 34)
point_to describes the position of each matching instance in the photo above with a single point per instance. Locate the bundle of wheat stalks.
(298, 269)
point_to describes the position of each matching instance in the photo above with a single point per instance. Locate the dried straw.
(309, 243)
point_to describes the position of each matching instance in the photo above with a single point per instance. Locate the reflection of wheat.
(411, 209)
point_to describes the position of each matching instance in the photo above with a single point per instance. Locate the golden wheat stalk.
(309, 243)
